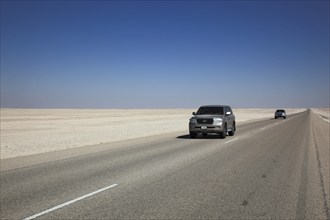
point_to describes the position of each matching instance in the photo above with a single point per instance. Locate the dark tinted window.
(210, 111)
(228, 109)
(280, 110)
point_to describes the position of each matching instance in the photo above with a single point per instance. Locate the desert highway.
(270, 168)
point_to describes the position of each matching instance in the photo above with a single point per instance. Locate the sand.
(32, 131)
(324, 113)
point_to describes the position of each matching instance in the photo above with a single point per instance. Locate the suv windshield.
(210, 111)
(280, 110)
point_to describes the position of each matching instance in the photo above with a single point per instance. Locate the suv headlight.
(217, 121)
(193, 121)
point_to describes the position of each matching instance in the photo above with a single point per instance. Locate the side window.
(228, 109)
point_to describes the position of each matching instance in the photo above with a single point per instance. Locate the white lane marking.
(263, 128)
(231, 141)
(69, 202)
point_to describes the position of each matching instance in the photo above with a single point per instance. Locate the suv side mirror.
(228, 113)
(194, 113)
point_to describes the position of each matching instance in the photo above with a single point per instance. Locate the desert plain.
(33, 131)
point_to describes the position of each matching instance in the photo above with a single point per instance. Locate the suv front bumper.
(205, 128)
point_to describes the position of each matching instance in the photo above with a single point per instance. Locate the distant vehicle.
(218, 119)
(280, 113)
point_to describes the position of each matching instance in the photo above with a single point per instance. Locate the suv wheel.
(232, 132)
(193, 134)
(224, 133)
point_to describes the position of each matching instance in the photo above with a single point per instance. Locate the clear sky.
(164, 54)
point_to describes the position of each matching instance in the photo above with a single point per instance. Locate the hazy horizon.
(235, 107)
(164, 54)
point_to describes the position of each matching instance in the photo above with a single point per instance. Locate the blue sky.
(164, 54)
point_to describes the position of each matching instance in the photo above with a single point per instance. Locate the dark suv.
(218, 119)
(280, 113)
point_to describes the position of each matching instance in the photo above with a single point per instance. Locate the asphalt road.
(271, 168)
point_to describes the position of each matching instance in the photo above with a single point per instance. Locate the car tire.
(284, 117)
(224, 133)
(193, 134)
(204, 134)
(232, 132)
(275, 117)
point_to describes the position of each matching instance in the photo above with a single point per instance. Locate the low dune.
(33, 131)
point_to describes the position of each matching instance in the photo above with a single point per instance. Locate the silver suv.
(218, 119)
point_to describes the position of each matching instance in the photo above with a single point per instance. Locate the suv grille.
(205, 121)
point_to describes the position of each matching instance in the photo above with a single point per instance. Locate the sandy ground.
(324, 113)
(33, 131)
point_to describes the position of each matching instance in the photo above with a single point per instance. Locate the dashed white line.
(263, 128)
(231, 141)
(70, 202)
